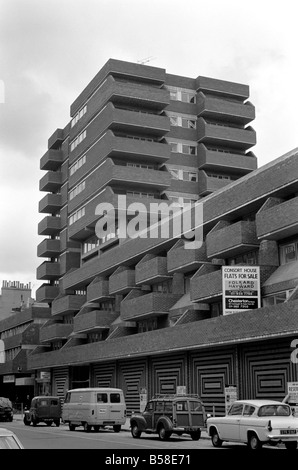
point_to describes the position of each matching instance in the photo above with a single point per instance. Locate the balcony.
(50, 203)
(152, 270)
(222, 88)
(206, 287)
(181, 259)
(224, 135)
(51, 160)
(48, 248)
(122, 281)
(68, 304)
(232, 240)
(93, 321)
(48, 270)
(56, 139)
(148, 305)
(278, 222)
(98, 290)
(225, 161)
(49, 225)
(51, 181)
(220, 109)
(46, 293)
(54, 332)
(208, 184)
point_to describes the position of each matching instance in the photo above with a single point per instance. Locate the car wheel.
(215, 439)
(291, 445)
(34, 422)
(49, 423)
(96, 428)
(87, 427)
(117, 427)
(26, 421)
(195, 435)
(57, 422)
(254, 442)
(135, 432)
(71, 427)
(163, 434)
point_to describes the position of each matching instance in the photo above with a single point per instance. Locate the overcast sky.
(51, 49)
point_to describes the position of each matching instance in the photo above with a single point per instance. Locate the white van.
(94, 407)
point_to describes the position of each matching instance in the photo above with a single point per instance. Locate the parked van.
(43, 409)
(94, 407)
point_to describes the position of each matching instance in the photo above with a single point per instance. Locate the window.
(115, 398)
(180, 147)
(77, 190)
(81, 161)
(182, 94)
(165, 287)
(288, 253)
(102, 398)
(77, 215)
(181, 406)
(274, 410)
(184, 175)
(248, 410)
(250, 258)
(195, 406)
(277, 298)
(159, 406)
(236, 409)
(78, 140)
(78, 115)
(149, 406)
(188, 122)
(67, 397)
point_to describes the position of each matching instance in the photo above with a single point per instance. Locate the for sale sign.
(240, 288)
(293, 392)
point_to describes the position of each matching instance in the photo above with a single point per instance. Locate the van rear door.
(102, 407)
(116, 406)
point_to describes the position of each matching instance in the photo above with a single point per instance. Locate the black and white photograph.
(149, 229)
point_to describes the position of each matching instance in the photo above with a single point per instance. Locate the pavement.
(124, 427)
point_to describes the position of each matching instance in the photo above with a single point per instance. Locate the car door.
(230, 427)
(148, 414)
(246, 421)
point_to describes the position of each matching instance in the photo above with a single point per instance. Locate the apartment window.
(182, 201)
(184, 175)
(216, 175)
(180, 147)
(288, 252)
(188, 122)
(81, 161)
(90, 244)
(77, 190)
(78, 140)
(277, 298)
(141, 165)
(77, 215)
(147, 325)
(78, 115)
(182, 94)
(164, 287)
(251, 257)
(80, 292)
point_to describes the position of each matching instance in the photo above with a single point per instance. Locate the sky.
(51, 49)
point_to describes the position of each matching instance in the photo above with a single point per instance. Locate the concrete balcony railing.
(181, 259)
(56, 139)
(98, 290)
(148, 305)
(94, 321)
(68, 304)
(208, 184)
(213, 160)
(50, 203)
(279, 221)
(55, 331)
(122, 281)
(48, 248)
(48, 270)
(49, 225)
(151, 270)
(219, 108)
(216, 134)
(51, 181)
(51, 160)
(232, 240)
(206, 287)
(46, 293)
(222, 87)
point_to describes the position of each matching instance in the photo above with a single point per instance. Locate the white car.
(8, 440)
(255, 422)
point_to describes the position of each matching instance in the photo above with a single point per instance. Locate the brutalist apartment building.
(147, 313)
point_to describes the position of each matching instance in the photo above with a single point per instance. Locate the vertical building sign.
(240, 288)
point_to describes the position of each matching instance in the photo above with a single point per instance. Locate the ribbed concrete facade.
(147, 312)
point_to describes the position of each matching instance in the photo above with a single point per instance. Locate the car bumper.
(283, 437)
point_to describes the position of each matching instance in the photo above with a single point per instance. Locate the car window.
(54, 402)
(159, 406)
(236, 409)
(274, 410)
(102, 398)
(115, 397)
(168, 407)
(149, 406)
(195, 406)
(43, 403)
(67, 397)
(181, 406)
(248, 410)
